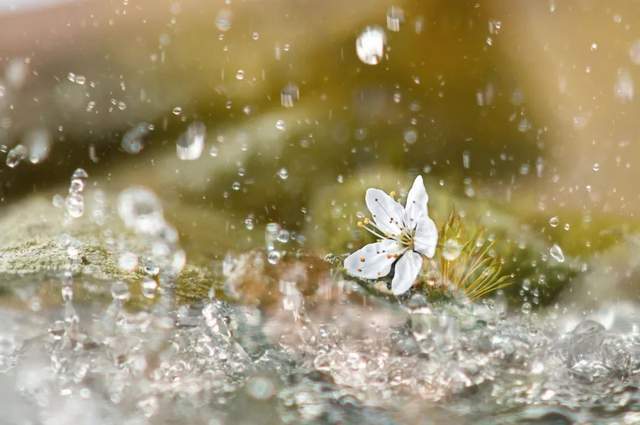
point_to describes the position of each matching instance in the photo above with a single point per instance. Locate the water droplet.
(240, 75)
(149, 287)
(554, 221)
(595, 167)
(410, 136)
(191, 143)
(255, 35)
(370, 45)
(176, 111)
(74, 205)
(39, 144)
(273, 257)
(283, 173)
(395, 17)
(16, 155)
(79, 173)
(451, 249)
(133, 139)
(223, 20)
(556, 252)
(280, 125)
(283, 236)
(289, 95)
(140, 209)
(235, 186)
(249, 223)
(213, 151)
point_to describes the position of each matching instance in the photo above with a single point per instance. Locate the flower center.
(406, 238)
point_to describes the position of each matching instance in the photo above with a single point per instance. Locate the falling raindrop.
(634, 52)
(370, 45)
(624, 87)
(395, 17)
(556, 252)
(289, 95)
(190, 144)
(39, 143)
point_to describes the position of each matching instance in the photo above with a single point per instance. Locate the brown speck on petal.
(362, 259)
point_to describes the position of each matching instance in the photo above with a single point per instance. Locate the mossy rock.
(523, 238)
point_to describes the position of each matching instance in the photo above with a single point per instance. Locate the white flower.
(405, 234)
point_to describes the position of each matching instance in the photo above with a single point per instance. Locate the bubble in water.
(289, 95)
(554, 221)
(140, 209)
(624, 86)
(133, 140)
(556, 252)
(16, 155)
(190, 144)
(370, 45)
(395, 17)
(283, 173)
(451, 249)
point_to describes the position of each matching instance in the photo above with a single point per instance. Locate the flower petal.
(386, 213)
(416, 206)
(425, 239)
(374, 260)
(407, 269)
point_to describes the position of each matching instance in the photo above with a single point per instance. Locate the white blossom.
(405, 235)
